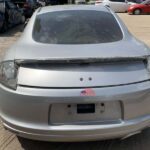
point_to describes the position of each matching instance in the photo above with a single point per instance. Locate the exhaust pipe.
(131, 134)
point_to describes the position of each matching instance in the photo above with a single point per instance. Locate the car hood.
(121, 49)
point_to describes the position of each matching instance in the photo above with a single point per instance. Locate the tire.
(137, 12)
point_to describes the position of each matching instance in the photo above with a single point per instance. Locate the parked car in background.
(52, 2)
(41, 3)
(28, 6)
(2, 22)
(10, 15)
(2, 12)
(138, 9)
(91, 2)
(97, 2)
(117, 5)
(80, 1)
(1, 19)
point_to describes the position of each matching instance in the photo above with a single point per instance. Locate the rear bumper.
(26, 112)
(72, 133)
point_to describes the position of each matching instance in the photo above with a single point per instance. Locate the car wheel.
(137, 12)
(23, 19)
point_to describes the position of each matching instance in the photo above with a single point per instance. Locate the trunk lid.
(72, 66)
(124, 48)
(79, 75)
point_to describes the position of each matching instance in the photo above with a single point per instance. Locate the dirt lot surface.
(140, 27)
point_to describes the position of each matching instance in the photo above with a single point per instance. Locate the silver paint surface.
(27, 110)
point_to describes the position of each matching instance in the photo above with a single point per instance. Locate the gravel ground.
(139, 27)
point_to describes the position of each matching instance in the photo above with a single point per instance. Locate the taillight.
(98, 2)
(26, 5)
(8, 74)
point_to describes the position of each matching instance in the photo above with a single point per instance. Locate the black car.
(56, 2)
(28, 6)
(52, 2)
(1, 20)
(10, 15)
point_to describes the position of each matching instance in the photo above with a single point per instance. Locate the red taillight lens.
(98, 2)
(26, 5)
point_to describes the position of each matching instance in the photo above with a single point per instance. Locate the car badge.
(88, 92)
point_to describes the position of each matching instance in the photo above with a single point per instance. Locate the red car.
(138, 9)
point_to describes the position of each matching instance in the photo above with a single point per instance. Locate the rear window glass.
(76, 27)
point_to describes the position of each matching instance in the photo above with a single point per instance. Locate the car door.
(118, 5)
(14, 16)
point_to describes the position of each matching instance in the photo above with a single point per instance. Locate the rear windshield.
(76, 27)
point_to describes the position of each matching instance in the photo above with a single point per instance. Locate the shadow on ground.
(12, 31)
(136, 142)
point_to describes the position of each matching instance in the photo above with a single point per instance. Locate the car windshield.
(76, 27)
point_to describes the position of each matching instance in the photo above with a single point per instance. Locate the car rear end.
(28, 11)
(98, 2)
(77, 102)
(65, 89)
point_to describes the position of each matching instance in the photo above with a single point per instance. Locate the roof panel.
(72, 7)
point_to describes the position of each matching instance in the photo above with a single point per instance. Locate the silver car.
(76, 74)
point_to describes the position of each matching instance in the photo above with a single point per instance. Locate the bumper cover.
(72, 133)
(26, 112)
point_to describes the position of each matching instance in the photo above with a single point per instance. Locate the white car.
(117, 5)
(80, 1)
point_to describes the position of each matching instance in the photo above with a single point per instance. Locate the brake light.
(98, 2)
(26, 5)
